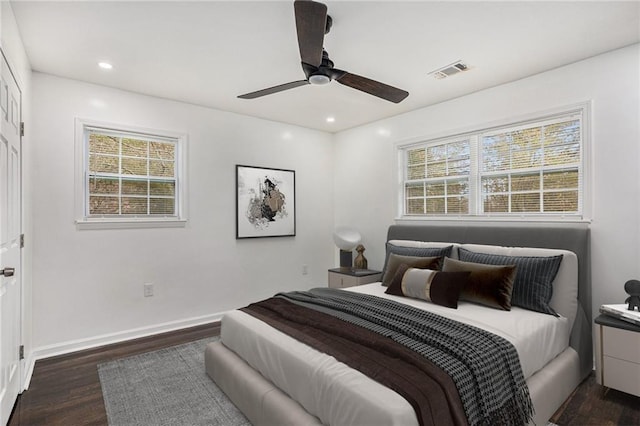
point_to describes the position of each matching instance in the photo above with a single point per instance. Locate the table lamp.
(346, 238)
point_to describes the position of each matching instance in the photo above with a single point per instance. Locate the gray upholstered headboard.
(572, 237)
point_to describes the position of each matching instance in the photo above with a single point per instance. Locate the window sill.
(494, 219)
(82, 224)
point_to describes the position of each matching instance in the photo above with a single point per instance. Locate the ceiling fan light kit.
(312, 23)
(319, 79)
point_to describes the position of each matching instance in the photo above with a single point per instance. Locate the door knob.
(7, 272)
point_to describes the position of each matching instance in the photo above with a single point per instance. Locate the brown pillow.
(489, 285)
(395, 260)
(441, 288)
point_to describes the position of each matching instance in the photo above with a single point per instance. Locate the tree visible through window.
(438, 179)
(130, 175)
(533, 168)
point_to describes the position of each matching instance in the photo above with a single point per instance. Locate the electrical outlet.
(305, 269)
(148, 290)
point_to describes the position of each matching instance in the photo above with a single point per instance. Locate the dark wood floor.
(65, 390)
(591, 404)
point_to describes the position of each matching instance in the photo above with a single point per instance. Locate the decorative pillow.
(441, 288)
(415, 252)
(487, 285)
(532, 288)
(396, 260)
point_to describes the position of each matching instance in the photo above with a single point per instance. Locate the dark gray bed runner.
(484, 367)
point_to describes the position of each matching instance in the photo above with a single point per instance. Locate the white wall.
(88, 284)
(365, 185)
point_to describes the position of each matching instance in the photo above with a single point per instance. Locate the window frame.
(444, 180)
(475, 134)
(86, 221)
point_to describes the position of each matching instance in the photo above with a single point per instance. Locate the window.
(130, 176)
(528, 169)
(438, 178)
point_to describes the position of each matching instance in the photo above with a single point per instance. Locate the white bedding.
(537, 337)
(337, 394)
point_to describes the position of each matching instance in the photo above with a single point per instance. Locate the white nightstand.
(617, 354)
(349, 277)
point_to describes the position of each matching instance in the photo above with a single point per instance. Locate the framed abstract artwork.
(265, 202)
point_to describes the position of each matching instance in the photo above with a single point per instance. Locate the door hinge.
(21, 240)
(22, 128)
(21, 352)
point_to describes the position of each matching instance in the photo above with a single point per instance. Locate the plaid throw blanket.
(484, 367)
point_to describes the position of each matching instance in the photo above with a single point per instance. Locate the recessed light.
(331, 119)
(97, 103)
(105, 65)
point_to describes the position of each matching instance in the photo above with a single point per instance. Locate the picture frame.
(265, 202)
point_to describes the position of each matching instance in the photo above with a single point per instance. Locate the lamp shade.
(346, 238)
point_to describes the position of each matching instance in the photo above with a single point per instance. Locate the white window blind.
(130, 175)
(532, 168)
(437, 178)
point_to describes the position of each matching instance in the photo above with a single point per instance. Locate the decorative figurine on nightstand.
(632, 287)
(360, 262)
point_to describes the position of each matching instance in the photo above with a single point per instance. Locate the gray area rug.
(165, 387)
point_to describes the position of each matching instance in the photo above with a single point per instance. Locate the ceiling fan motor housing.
(327, 26)
(324, 73)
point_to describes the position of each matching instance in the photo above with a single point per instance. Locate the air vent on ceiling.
(449, 70)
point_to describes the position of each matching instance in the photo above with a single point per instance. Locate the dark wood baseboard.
(65, 390)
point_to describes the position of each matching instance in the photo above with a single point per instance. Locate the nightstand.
(617, 354)
(349, 277)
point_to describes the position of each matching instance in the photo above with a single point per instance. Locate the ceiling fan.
(312, 23)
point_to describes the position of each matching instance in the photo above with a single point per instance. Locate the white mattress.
(338, 394)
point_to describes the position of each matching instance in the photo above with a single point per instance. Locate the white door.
(10, 271)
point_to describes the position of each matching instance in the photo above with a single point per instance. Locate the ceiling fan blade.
(311, 21)
(274, 89)
(372, 87)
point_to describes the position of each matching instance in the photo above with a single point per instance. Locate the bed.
(274, 379)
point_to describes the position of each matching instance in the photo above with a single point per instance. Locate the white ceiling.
(209, 52)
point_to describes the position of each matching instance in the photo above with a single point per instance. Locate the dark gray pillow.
(415, 252)
(532, 287)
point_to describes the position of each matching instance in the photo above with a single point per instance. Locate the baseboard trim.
(107, 339)
(29, 365)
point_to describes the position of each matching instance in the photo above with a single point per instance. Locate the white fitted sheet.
(338, 394)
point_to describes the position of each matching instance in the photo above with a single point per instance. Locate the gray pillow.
(532, 287)
(415, 252)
